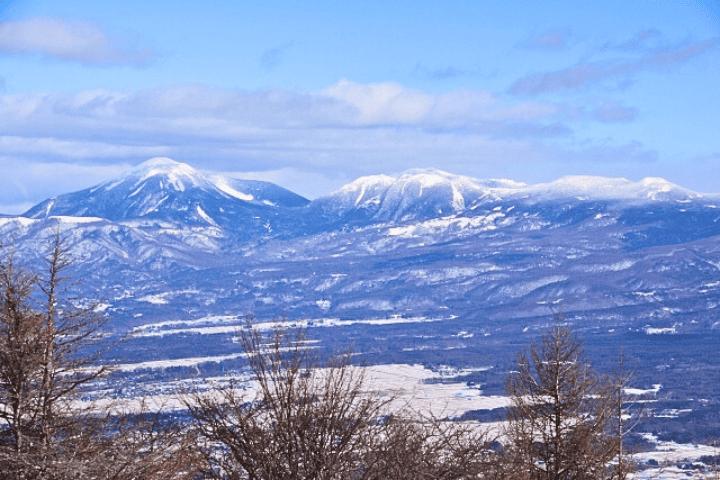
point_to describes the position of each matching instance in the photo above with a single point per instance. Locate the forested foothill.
(292, 411)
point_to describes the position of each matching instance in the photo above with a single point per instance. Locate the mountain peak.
(416, 193)
(161, 165)
(603, 188)
(430, 173)
(160, 162)
(163, 188)
(178, 175)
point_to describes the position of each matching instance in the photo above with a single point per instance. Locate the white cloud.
(611, 111)
(442, 73)
(76, 149)
(26, 181)
(203, 112)
(639, 41)
(587, 73)
(383, 102)
(392, 104)
(309, 142)
(70, 41)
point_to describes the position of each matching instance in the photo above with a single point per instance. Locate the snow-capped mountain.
(162, 189)
(164, 213)
(171, 209)
(601, 188)
(414, 194)
(422, 267)
(424, 194)
(425, 267)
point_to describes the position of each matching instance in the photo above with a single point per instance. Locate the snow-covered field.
(673, 461)
(430, 393)
(213, 325)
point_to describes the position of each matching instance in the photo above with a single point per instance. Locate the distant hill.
(424, 267)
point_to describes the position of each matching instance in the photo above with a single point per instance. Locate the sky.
(312, 94)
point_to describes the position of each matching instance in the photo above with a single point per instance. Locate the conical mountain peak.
(170, 173)
(165, 189)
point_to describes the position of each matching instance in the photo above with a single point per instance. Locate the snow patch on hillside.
(446, 224)
(214, 325)
(21, 221)
(600, 268)
(223, 186)
(76, 220)
(205, 216)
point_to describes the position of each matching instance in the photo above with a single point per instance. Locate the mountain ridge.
(422, 267)
(425, 192)
(164, 190)
(163, 186)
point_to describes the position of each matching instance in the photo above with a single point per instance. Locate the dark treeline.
(306, 419)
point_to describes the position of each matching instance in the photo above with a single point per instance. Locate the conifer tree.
(560, 423)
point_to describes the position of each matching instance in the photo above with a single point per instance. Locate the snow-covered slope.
(412, 195)
(172, 193)
(154, 187)
(427, 194)
(600, 188)
(165, 190)
(258, 192)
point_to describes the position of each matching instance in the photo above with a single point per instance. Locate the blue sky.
(312, 94)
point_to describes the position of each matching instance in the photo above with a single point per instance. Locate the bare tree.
(560, 422)
(410, 447)
(302, 423)
(307, 422)
(713, 462)
(51, 348)
(42, 365)
(144, 445)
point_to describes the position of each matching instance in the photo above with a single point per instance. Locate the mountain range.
(165, 189)
(485, 243)
(423, 267)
